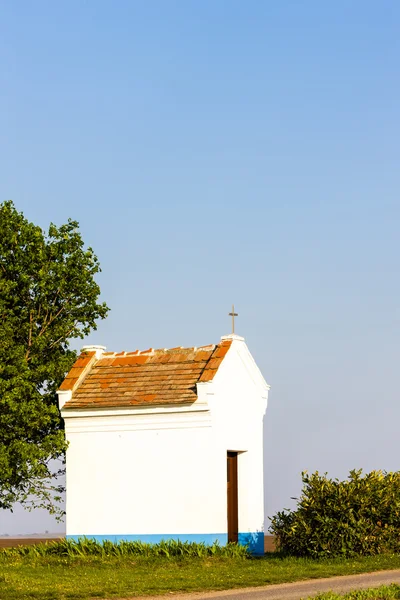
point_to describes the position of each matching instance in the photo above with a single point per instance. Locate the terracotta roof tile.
(79, 369)
(83, 360)
(207, 375)
(68, 384)
(141, 378)
(221, 351)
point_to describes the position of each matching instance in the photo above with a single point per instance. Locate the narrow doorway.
(232, 494)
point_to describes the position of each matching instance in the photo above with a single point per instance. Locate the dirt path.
(294, 591)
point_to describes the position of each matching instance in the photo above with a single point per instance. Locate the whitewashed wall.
(154, 473)
(238, 399)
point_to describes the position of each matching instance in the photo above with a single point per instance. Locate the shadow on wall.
(269, 540)
(265, 478)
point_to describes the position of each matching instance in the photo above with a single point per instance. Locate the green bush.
(358, 516)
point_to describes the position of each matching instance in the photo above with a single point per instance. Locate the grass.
(385, 592)
(61, 573)
(90, 548)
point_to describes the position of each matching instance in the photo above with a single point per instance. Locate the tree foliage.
(358, 516)
(48, 296)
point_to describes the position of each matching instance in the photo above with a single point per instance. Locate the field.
(52, 577)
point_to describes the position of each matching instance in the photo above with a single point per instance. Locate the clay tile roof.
(141, 378)
(79, 369)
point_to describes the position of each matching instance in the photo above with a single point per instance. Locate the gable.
(150, 377)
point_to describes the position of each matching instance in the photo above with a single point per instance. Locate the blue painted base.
(255, 540)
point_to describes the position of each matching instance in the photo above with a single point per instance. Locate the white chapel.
(166, 444)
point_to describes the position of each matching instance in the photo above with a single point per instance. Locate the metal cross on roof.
(233, 315)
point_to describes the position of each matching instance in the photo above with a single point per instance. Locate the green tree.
(48, 296)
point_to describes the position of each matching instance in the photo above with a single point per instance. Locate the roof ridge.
(125, 353)
(176, 349)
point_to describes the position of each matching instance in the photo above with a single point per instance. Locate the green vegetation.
(48, 296)
(385, 592)
(359, 516)
(86, 547)
(28, 575)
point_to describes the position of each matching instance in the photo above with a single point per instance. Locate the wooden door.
(232, 493)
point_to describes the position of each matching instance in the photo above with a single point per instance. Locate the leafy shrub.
(87, 547)
(358, 516)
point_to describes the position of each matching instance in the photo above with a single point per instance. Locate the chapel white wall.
(238, 401)
(163, 471)
(142, 481)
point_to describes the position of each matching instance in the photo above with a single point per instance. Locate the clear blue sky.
(224, 151)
